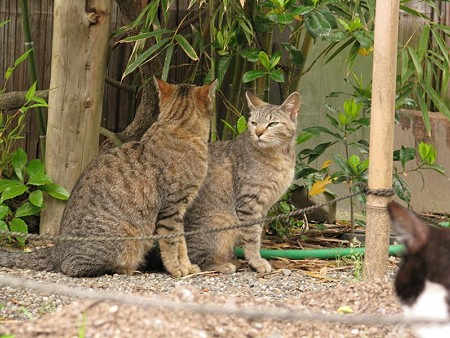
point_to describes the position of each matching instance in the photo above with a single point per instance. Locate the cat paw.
(260, 265)
(226, 268)
(179, 271)
(194, 269)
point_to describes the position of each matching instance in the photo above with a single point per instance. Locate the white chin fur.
(431, 304)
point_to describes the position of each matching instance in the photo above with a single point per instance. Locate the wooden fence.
(117, 107)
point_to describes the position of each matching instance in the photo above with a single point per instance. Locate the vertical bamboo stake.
(33, 71)
(79, 54)
(381, 137)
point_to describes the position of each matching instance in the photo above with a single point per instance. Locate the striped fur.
(139, 189)
(246, 176)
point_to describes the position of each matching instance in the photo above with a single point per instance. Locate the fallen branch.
(16, 100)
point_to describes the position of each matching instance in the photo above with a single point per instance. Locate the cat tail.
(39, 260)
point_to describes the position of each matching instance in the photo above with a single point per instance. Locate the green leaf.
(144, 57)
(13, 191)
(319, 23)
(318, 150)
(427, 153)
(3, 226)
(222, 67)
(190, 52)
(56, 191)
(167, 62)
(401, 189)
(146, 35)
(241, 125)
(4, 183)
(404, 155)
(437, 99)
(39, 179)
(4, 210)
(416, 62)
(31, 92)
(18, 225)
(27, 209)
(253, 75)
(303, 137)
(353, 163)
(35, 167)
(18, 161)
(277, 75)
(264, 60)
(36, 198)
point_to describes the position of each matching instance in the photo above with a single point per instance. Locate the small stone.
(354, 331)
(258, 325)
(286, 272)
(113, 309)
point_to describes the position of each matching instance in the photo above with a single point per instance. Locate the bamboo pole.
(33, 71)
(381, 137)
(79, 54)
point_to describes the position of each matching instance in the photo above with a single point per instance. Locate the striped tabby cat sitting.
(245, 177)
(136, 189)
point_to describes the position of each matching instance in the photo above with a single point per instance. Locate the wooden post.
(79, 53)
(381, 137)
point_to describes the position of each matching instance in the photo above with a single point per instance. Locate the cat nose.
(259, 131)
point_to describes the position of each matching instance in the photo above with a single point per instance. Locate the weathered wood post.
(381, 137)
(79, 53)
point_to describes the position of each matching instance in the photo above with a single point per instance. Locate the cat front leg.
(174, 250)
(251, 243)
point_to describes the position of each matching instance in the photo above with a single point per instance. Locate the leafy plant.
(22, 194)
(351, 169)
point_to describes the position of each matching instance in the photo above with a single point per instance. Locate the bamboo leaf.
(144, 57)
(157, 33)
(416, 62)
(30, 92)
(167, 62)
(437, 100)
(186, 46)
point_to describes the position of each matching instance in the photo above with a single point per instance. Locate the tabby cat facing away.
(423, 279)
(137, 189)
(246, 176)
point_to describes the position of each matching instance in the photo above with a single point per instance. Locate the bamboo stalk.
(33, 71)
(381, 137)
(212, 7)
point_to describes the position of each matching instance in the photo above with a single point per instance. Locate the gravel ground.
(310, 286)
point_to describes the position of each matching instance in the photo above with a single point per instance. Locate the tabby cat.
(422, 282)
(246, 176)
(137, 189)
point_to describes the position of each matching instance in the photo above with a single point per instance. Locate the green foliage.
(22, 194)
(22, 182)
(284, 228)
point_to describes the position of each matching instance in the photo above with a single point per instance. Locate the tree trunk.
(79, 54)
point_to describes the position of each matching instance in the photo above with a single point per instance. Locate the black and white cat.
(423, 279)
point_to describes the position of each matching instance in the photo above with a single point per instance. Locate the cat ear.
(411, 230)
(254, 101)
(209, 90)
(291, 105)
(164, 89)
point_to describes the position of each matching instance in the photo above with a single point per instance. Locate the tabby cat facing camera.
(136, 189)
(246, 176)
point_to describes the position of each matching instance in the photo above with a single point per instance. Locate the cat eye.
(272, 124)
(253, 123)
